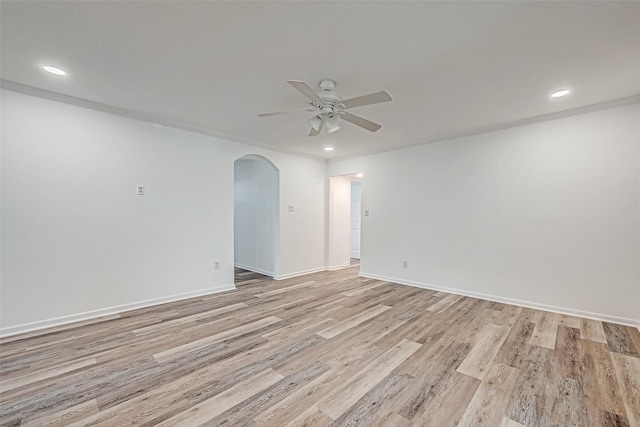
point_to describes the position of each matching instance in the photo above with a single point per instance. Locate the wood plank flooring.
(326, 349)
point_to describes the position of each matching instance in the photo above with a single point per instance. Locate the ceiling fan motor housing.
(330, 98)
(327, 85)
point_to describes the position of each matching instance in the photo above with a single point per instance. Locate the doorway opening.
(256, 185)
(355, 221)
(345, 219)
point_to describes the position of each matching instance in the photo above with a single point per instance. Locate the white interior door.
(356, 204)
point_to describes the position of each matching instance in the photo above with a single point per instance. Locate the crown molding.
(137, 115)
(620, 102)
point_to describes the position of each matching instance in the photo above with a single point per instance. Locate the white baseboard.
(528, 304)
(93, 314)
(299, 273)
(339, 266)
(255, 270)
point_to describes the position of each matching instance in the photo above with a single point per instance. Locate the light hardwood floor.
(324, 349)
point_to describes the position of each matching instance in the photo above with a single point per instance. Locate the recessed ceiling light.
(54, 70)
(560, 93)
(359, 175)
(328, 148)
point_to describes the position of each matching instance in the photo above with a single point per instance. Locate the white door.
(356, 203)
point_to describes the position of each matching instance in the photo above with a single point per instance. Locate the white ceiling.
(453, 68)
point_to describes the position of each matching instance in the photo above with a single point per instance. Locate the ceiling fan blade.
(275, 113)
(372, 98)
(306, 91)
(314, 132)
(359, 121)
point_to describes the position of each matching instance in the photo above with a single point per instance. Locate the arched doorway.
(256, 214)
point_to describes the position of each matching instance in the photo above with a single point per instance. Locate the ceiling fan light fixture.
(333, 124)
(315, 123)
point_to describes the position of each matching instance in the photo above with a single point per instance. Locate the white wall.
(547, 214)
(76, 238)
(302, 232)
(256, 215)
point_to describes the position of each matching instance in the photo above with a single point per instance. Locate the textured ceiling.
(453, 68)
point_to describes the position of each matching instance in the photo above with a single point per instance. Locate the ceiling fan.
(329, 108)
